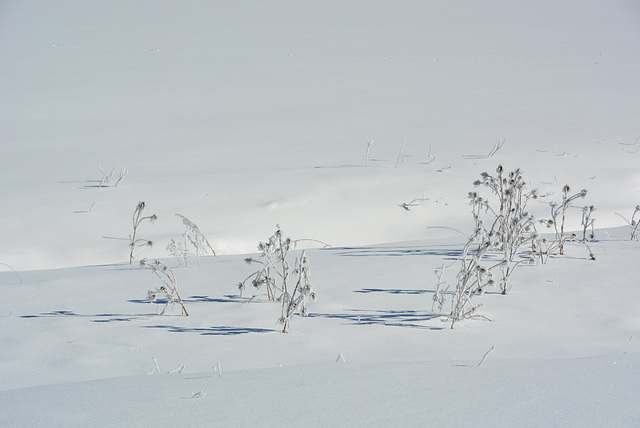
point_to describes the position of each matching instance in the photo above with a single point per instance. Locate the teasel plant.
(295, 300)
(505, 227)
(193, 243)
(137, 219)
(288, 285)
(588, 222)
(559, 215)
(168, 291)
(634, 223)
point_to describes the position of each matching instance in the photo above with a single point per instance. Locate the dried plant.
(296, 299)
(634, 223)
(366, 156)
(416, 202)
(588, 222)
(193, 243)
(559, 215)
(400, 157)
(512, 233)
(168, 291)
(440, 294)
(137, 219)
(108, 176)
(496, 147)
(277, 277)
(504, 237)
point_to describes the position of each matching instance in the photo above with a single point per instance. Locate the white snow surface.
(246, 114)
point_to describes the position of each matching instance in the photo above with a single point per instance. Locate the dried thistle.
(169, 290)
(137, 219)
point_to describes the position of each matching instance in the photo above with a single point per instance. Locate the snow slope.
(243, 115)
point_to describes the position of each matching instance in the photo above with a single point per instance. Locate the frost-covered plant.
(634, 223)
(193, 243)
(168, 291)
(278, 277)
(440, 294)
(505, 227)
(504, 237)
(588, 222)
(559, 215)
(296, 299)
(275, 271)
(472, 279)
(137, 219)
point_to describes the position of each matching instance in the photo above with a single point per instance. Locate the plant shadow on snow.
(213, 331)
(387, 318)
(446, 254)
(407, 291)
(393, 291)
(195, 299)
(99, 317)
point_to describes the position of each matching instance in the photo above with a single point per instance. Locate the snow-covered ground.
(324, 117)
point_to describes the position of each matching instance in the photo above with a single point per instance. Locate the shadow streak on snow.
(195, 299)
(213, 331)
(228, 298)
(447, 254)
(99, 317)
(412, 292)
(387, 318)
(393, 291)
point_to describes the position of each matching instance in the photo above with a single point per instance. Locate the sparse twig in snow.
(14, 271)
(366, 158)
(634, 223)
(400, 152)
(107, 176)
(485, 356)
(496, 147)
(416, 202)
